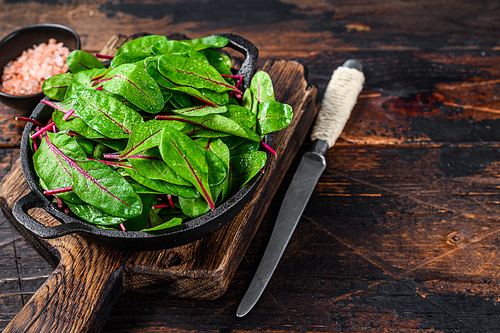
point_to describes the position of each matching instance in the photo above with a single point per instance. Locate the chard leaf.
(152, 67)
(216, 146)
(169, 224)
(262, 90)
(218, 123)
(128, 58)
(82, 80)
(146, 135)
(155, 184)
(135, 85)
(75, 124)
(183, 191)
(52, 169)
(182, 99)
(217, 170)
(141, 44)
(99, 185)
(141, 221)
(79, 60)
(273, 116)
(117, 145)
(163, 186)
(207, 42)
(205, 95)
(198, 206)
(86, 144)
(199, 132)
(184, 156)
(238, 146)
(55, 87)
(105, 114)
(94, 215)
(188, 72)
(150, 164)
(245, 166)
(141, 189)
(194, 207)
(241, 115)
(246, 101)
(221, 62)
(200, 110)
(179, 48)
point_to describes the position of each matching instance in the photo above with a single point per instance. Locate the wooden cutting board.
(88, 278)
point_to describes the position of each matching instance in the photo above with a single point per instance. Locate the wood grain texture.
(79, 294)
(401, 234)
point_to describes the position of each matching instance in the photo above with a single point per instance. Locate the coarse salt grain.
(26, 74)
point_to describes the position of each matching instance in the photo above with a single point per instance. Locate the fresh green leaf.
(52, 169)
(105, 114)
(169, 224)
(99, 185)
(273, 116)
(55, 87)
(141, 44)
(146, 135)
(207, 42)
(150, 164)
(179, 48)
(82, 80)
(94, 215)
(187, 72)
(219, 123)
(200, 110)
(262, 89)
(79, 60)
(136, 85)
(184, 156)
(128, 58)
(246, 166)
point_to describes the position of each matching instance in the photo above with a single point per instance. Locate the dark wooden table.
(401, 234)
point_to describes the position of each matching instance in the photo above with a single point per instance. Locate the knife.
(338, 101)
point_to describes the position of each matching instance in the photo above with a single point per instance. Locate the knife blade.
(339, 99)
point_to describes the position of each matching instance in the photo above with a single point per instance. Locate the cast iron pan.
(187, 232)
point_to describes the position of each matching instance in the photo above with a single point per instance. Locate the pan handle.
(249, 50)
(33, 200)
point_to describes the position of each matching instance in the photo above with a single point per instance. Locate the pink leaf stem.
(35, 146)
(111, 156)
(239, 77)
(29, 120)
(268, 148)
(123, 227)
(69, 114)
(58, 190)
(103, 56)
(170, 201)
(112, 163)
(59, 202)
(53, 105)
(161, 206)
(101, 80)
(43, 130)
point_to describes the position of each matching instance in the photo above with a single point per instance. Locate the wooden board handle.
(77, 297)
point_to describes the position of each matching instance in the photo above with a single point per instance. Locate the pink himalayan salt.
(26, 74)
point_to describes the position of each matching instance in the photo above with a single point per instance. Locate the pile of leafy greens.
(164, 134)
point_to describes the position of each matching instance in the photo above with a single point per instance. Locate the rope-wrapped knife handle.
(339, 99)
